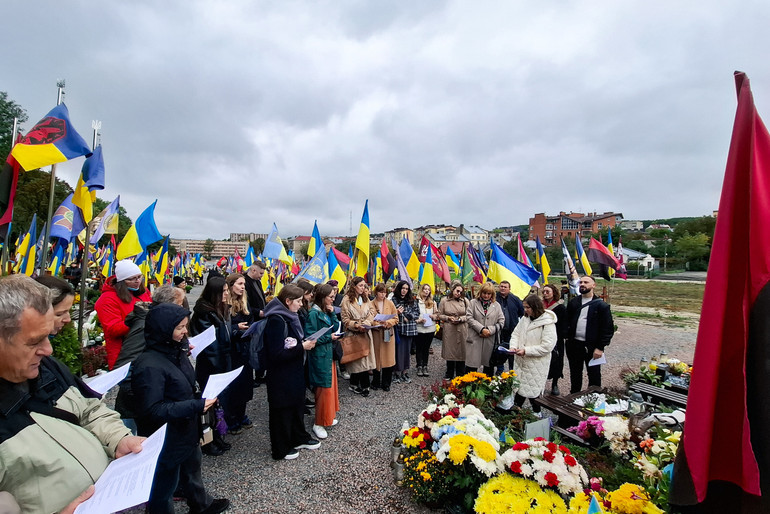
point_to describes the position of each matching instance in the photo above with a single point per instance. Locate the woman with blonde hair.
(384, 340)
(426, 328)
(241, 391)
(357, 312)
(454, 324)
(485, 319)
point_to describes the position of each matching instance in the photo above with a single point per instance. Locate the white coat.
(537, 338)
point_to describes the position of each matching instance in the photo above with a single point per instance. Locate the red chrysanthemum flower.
(520, 446)
(565, 450)
(516, 467)
(551, 447)
(569, 460)
(548, 456)
(551, 479)
(539, 439)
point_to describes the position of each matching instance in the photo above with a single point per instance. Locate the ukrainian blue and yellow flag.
(142, 234)
(27, 251)
(410, 259)
(581, 256)
(161, 268)
(249, 259)
(542, 260)
(57, 259)
(335, 270)
(426, 270)
(53, 139)
(453, 262)
(91, 178)
(362, 243)
(108, 261)
(504, 267)
(274, 248)
(316, 269)
(315, 241)
(610, 271)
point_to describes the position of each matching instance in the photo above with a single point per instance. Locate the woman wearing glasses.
(119, 294)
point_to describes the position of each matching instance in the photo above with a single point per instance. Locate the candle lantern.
(395, 451)
(398, 471)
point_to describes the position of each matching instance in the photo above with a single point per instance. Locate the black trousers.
(186, 475)
(360, 379)
(382, 378)
(423, 342)
(287, 429)
(518, 401)
(454, 369)
(578, 355)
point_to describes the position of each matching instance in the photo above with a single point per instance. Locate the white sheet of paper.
(202, 340)
(106, 381)
(317, 335)
(339, 331)
(127, 481)
(600, 360)
(504, 349)
(384, 317)
(428, 322)
(217, 383)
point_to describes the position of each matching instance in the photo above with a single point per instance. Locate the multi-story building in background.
(551, 229)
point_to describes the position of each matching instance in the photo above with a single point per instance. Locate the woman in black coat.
(551, 302)
(211, 310)
(163, 382)
(241, 390)
(285, 348)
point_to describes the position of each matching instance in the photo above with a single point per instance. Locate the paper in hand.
(127, 481)
(202, 340)
(384, 317)
(429, 322)
(316, 336)
(597, 362)
(504, 349)
(103, 383)
(217, 383)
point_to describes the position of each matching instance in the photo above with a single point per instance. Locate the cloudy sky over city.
(238, 114)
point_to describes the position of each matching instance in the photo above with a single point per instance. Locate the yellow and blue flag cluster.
(504, 267)
(362, 243)
(142, 234)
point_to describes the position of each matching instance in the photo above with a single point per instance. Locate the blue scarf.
(276, 307)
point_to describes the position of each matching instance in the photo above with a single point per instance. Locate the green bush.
(66, 348)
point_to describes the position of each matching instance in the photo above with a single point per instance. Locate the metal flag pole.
(96, 125)
(4, 257)
(44, 251)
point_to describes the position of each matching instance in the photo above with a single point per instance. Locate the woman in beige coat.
(485, 319)
(357, 312)
(384, 340)
(454, 327)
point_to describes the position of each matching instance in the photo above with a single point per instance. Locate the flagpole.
(44, 252)
(96, 126)
(4, 257)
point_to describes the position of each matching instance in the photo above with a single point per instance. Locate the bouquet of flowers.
(469, 435)
(612, 428)
(548, 464)
(426, 478)
(507, 493)
(677, 367)
(627, 499)
(601, 403)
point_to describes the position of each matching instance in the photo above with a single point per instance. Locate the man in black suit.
(590, 330)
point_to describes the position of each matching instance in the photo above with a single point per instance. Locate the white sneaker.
(335, 421)
(320, 432)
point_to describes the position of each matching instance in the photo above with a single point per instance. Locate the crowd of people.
(312, 338)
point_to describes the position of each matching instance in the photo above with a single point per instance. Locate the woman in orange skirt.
(321, 372)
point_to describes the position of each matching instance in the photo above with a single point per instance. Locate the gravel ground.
(350, 472)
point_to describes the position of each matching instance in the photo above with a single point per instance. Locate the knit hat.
(126, 269)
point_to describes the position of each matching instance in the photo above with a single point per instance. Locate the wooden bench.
(659, 395)
(569, 414)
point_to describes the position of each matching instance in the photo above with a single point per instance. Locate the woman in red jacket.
(119, 294)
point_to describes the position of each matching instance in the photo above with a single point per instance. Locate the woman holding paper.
(408, 312)
(357, 314)
(241, 391)
(384, 340)
(211, 310)
(426, 328)
(532, 342)
(485, 319)
(285, 346)
(454, 323)
(163, 382)
(321, 372)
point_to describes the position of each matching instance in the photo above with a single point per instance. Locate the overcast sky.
(238, 114)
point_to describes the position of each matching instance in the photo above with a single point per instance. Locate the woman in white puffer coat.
(532, 341)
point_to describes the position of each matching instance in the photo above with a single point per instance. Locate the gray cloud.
(238, 114)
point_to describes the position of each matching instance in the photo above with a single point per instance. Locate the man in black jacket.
(513, 310)
(590, 330)
(256, 296)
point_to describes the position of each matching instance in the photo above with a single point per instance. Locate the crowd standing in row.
(371, 332)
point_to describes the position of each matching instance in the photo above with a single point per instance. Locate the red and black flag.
(387, 260)
(9, 177)
(602, 256)
(724, 458)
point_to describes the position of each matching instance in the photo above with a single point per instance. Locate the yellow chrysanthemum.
(459, 446)
(484, 450)
(425, 476)
(631, 499)
(506, 493)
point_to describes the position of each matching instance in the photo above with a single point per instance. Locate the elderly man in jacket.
(590, 329)
(56, 436)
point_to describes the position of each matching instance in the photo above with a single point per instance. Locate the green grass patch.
(648, 315)
(675, 297)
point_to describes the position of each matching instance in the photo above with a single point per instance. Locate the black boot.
(376, 379)
(387, 378)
